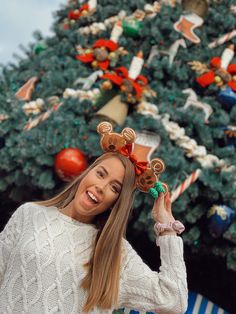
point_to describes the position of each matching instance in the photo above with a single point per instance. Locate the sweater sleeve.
(163, 292)
(9, 237)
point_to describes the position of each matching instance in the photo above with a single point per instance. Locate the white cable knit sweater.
(41, 255)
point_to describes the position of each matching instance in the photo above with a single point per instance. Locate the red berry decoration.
(69, 163)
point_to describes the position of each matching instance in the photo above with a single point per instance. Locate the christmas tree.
(166, 69)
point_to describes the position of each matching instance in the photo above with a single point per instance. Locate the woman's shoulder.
(20, 214)
(28, 205)
(28, 208)
(23, 207)
(126, 245)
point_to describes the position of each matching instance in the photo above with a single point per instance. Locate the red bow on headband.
(140, 166)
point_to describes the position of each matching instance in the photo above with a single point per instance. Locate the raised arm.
(9, 237)
(163, 292)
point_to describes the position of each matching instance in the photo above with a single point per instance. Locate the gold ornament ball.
(72, 22)
(218, 79)
(130, 98)
(84, 13)
(112, 56)
(106, 85)
(88, 50)
(123, 88)
(234, 78)
(76, 11)
(94, 64)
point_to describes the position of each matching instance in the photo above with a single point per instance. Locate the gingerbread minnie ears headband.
(147, 173)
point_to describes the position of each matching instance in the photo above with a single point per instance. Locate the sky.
(19, 19)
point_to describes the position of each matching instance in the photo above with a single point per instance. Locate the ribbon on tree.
(218, 75)
(221, 72)
(76, 14)
(103, 52)
(84, 10)
(98, 56)
(127, 84)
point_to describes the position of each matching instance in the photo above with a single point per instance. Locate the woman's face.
(99, 190)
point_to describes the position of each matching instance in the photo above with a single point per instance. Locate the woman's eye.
(100, 174)
(115, 189)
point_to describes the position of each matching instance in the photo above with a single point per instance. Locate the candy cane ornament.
(184, 185)
(221, 40)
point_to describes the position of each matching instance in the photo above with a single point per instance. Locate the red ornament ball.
(69, 163)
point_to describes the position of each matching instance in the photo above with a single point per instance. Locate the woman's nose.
(100, 188)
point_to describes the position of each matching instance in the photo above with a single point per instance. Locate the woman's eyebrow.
(105, 170)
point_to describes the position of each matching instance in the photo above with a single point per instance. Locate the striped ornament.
(197, 304)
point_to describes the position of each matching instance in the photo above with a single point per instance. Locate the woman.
(69, 254)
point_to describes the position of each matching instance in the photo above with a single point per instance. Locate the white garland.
(97, 28)
(68, 93)
(190, 146)
(33, 107)
(82, 94)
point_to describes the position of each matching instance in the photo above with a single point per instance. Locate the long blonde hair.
(102, 278)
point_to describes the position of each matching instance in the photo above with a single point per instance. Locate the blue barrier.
(197, 304)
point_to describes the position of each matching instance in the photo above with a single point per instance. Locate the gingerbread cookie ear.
(158, 166)
(104, 127)
(129, 135)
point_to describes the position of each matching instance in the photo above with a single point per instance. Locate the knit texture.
(41, 255)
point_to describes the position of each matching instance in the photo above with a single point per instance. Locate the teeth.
(92, 196)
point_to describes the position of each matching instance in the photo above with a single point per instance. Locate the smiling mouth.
(92, 197)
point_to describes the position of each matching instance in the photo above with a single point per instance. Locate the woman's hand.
(161, 211)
